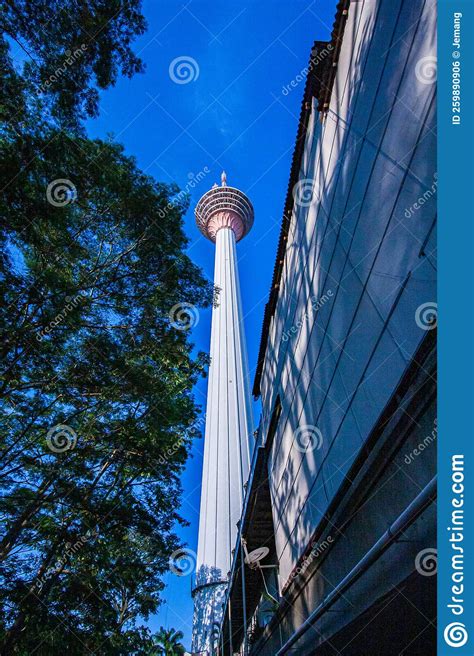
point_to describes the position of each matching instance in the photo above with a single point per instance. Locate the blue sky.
(232, 115)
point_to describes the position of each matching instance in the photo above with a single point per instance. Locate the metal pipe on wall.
(244, 602)
(407, 517)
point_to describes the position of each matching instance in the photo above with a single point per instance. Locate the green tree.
(168, 643)
(73, 50)
(97, 413)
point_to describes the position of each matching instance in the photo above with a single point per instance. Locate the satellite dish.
(253, 558)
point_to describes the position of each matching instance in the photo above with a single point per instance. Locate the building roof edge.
(319, 84)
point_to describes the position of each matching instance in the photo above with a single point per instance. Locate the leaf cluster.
(95, 388)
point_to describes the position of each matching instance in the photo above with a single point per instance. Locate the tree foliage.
(74, 48)
(97, 413)
(167, 642)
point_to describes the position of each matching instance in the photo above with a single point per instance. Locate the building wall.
(360, 261)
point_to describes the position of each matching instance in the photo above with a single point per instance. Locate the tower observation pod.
(224, 215)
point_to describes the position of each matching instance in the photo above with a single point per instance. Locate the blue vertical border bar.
(456, 327)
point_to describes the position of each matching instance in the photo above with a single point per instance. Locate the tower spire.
(224, 215)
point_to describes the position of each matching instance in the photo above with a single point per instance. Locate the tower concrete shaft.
(224, 215)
